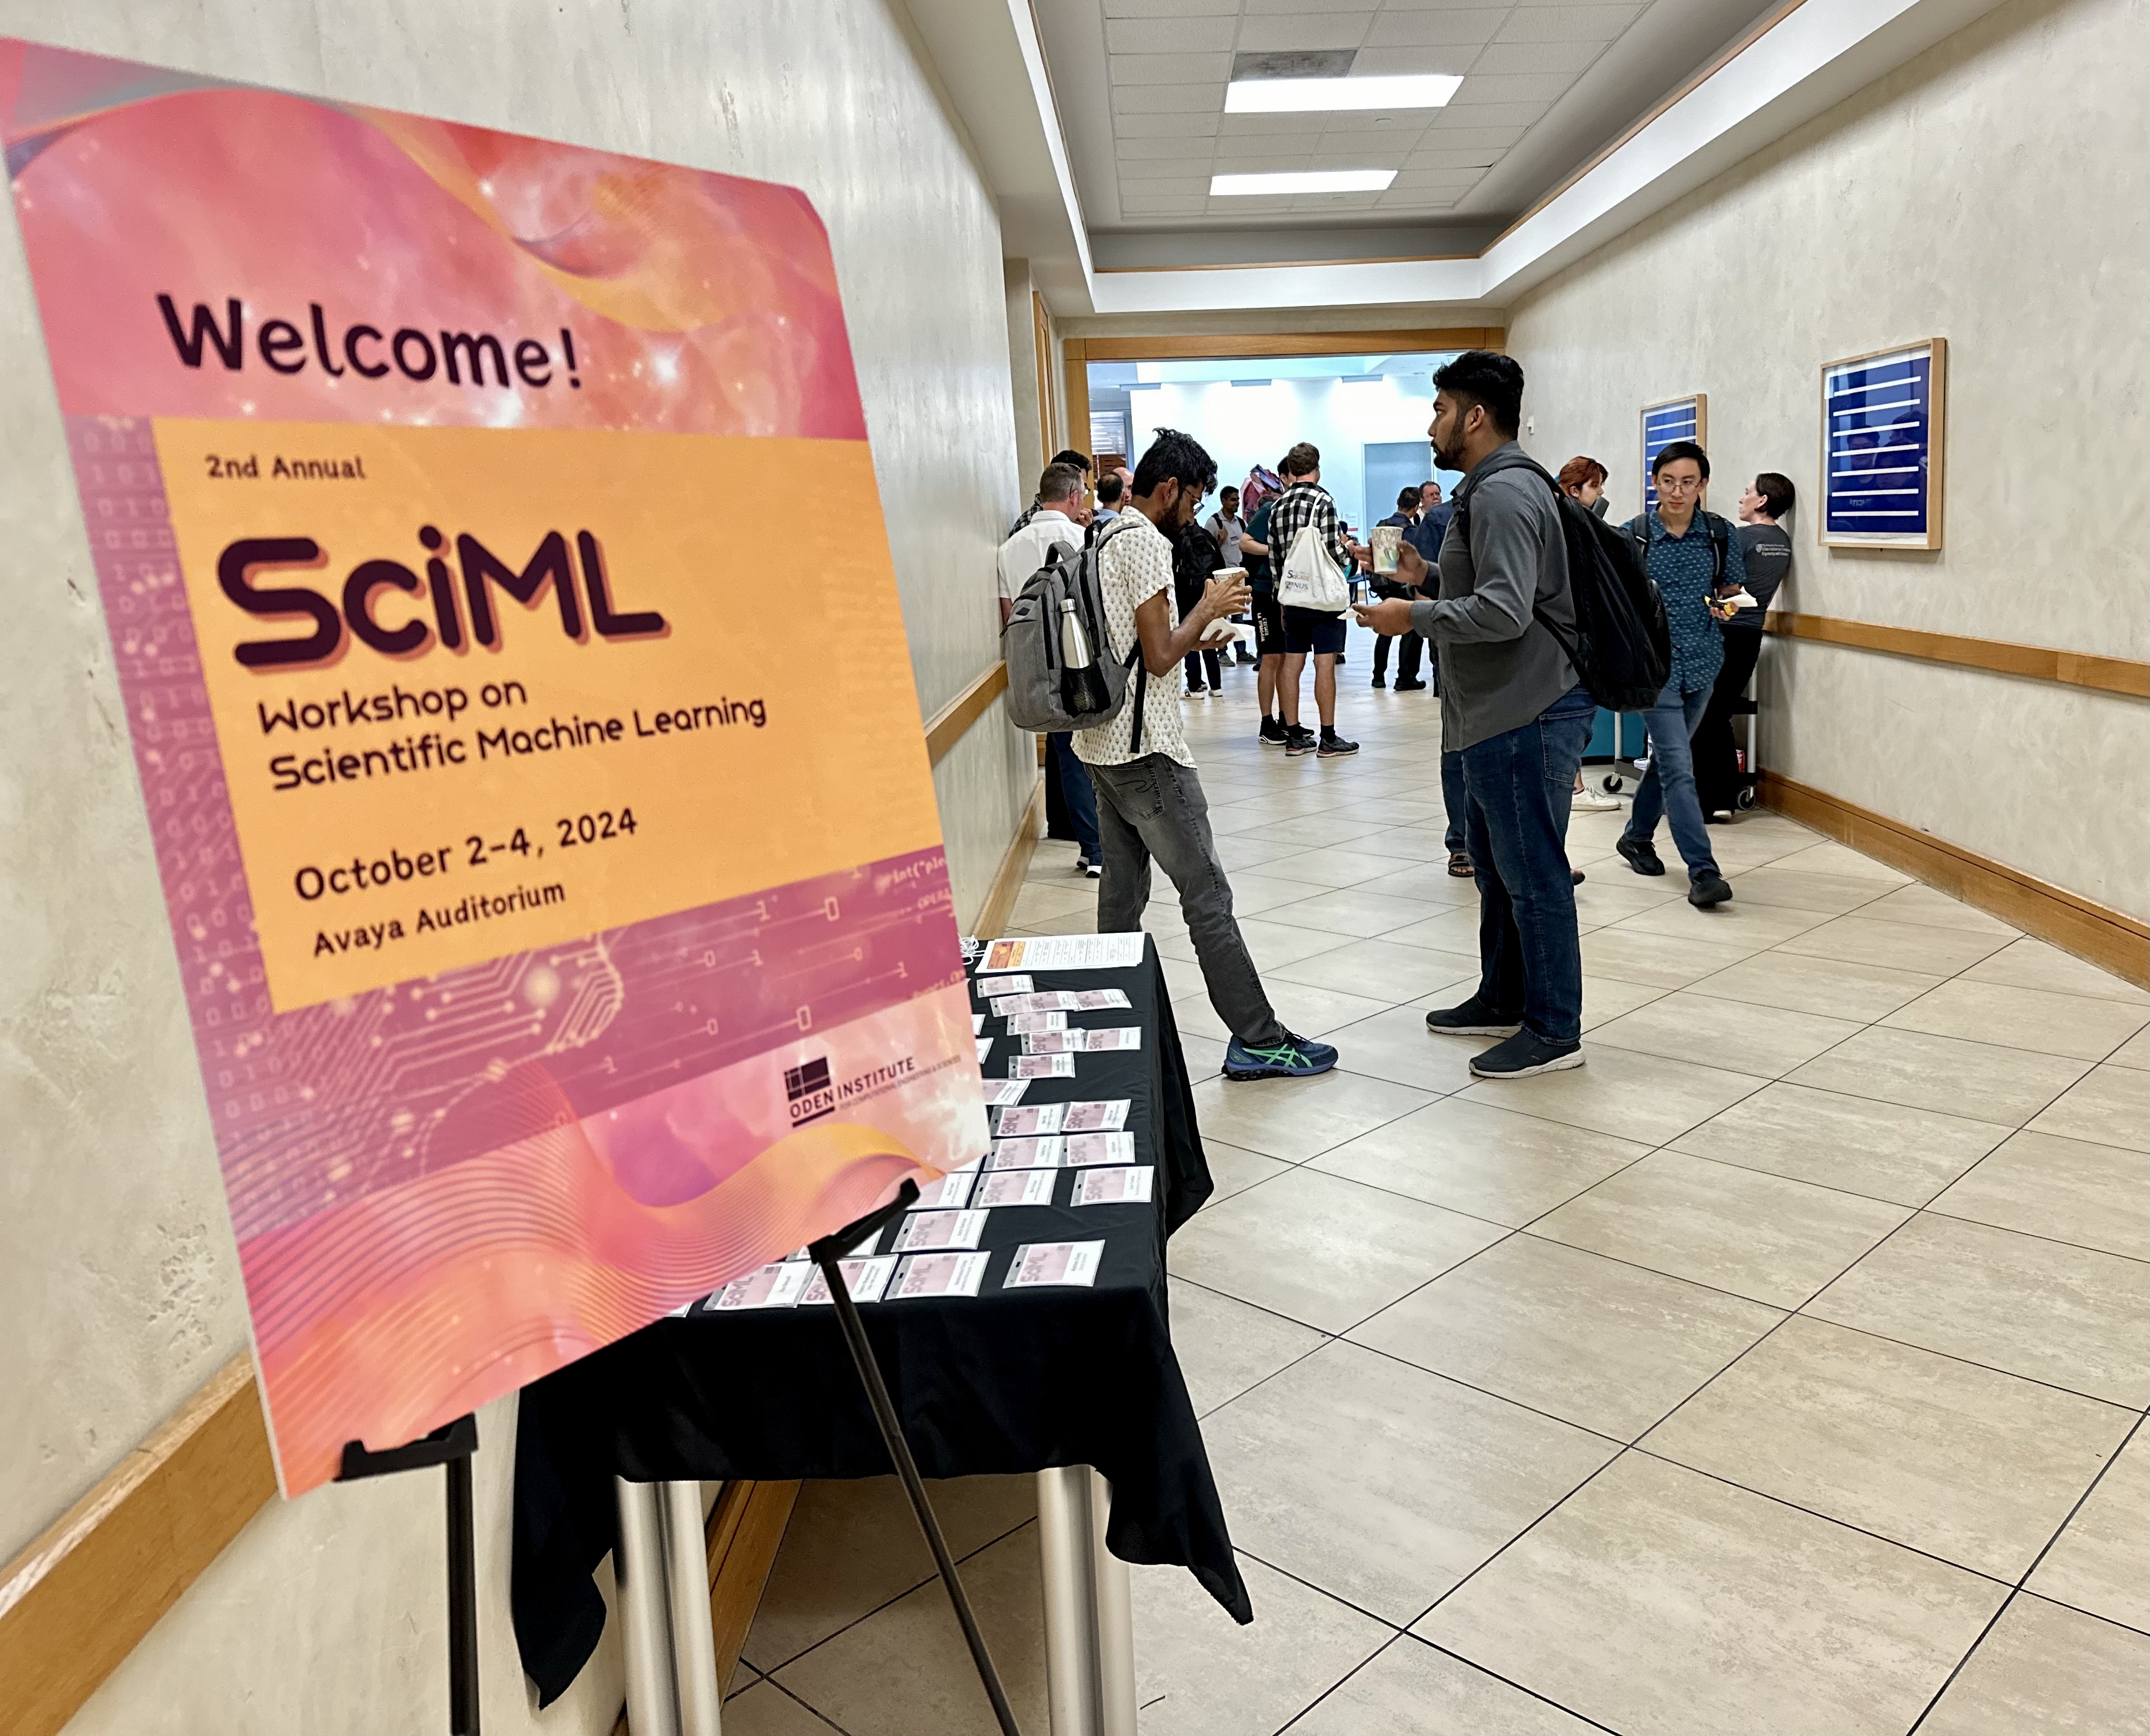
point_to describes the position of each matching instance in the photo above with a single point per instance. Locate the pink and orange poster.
(543, 810)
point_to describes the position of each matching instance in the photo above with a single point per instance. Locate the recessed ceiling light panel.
(1299, 96)
(1312, 180)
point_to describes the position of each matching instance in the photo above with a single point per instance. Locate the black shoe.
(1522, 1055)
(1334, 746)
(1642, 858)
(1299, 740)
(1272, 735)
(1707, 890)
(1575, 876)
(1410, 687)
(1473, 1018)
(1381, 680)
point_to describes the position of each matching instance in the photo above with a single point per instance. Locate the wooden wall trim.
(946, 726)
(2105, 937)
(745, 1531)
(1258, 345)
(2035, 663)
(79, 1598)
(1007, 884)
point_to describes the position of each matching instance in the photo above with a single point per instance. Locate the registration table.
(1077, 1383)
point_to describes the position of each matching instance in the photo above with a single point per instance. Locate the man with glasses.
(1696, 562)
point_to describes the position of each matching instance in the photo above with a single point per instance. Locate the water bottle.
(1083, 688)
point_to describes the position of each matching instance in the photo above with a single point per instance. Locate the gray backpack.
(1036, 697)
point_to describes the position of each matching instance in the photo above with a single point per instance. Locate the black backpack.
(1622, 646)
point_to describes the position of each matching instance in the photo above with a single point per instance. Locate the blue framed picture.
(1882, 419)
(1675, 419)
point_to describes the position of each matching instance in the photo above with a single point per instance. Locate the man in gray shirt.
(1719, 775)
(1511, 705)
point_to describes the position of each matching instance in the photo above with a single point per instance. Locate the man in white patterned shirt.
(1150, 805)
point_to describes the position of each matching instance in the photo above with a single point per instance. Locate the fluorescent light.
(1299, 96)
(1311, 180)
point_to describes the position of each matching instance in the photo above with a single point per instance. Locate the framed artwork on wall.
(1882, 418)
(1675, 419)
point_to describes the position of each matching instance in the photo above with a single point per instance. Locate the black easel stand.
(452, 1447)
(826, 1253)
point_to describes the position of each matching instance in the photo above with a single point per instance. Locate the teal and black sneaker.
(1296, 1057)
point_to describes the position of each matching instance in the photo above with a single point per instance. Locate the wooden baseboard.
(79, 1598)
(2091, 932)
(745, 1531)
(1000, 901)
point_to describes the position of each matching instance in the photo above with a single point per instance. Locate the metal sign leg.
(1115, 1619)
(687, 1584)
(652, 1707)
(1067, 1563)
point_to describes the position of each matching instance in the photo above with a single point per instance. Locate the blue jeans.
(1452, 798)
(1076, 791)
(1530, 954)
(1667, 787)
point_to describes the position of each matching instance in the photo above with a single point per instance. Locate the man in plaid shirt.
(1305, 502)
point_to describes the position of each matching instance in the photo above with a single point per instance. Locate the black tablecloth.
(1009, 1381)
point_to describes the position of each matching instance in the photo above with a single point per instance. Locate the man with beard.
(1512, 707)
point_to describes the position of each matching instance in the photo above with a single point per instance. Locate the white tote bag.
(1312, 579)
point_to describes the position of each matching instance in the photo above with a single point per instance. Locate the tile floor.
(1781, 1370)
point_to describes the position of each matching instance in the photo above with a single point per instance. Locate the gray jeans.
(1153, 809)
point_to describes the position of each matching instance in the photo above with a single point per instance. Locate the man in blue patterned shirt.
(1696, 561)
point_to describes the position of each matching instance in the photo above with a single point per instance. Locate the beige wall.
(117, 1275)
(1993, 192)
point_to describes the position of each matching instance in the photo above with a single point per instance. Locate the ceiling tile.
(1471, 24)
(1166, 126)
(1154, 150)
(1538, 57)
(1492, 114)
(1480, 89)
(1278, 163)
(1186, 186)
(1457, 58)
(1461, 132)
(1335, 202)
(1418, 160)
(1164, 36)
(1194, 207)
(1567, 23)
(1171, 69)
(1168, 98)
(1306, 30)
(1358, 156)
(1132, 170)
(1393, 123)
(1457, 179)
(1171, 8)
(1244, 125)
(1257, 204)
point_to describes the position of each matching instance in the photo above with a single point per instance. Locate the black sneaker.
(1575, 877)
(1334, 746)
(1380, 679)
(1473, 1018)
(1522, 1055)
(1410, 687)
(1299, 740)
(1272, 735)
(1707, 890)
(1642, 858)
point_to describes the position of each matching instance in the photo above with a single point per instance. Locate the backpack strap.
(1140, 665)
(1720, 536)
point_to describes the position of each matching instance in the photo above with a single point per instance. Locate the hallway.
(1781, 1370)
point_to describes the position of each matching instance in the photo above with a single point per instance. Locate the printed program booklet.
(1066, 952)
(1079, 1151)
(1018, 1187)
(1112, 1186)
(1041, 1066)
(1039, 1151)
(922, 1230)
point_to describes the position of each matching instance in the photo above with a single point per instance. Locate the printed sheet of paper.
(1066, 953)
(1094, 1117)
(867, 1279)
(864, 1250)
(985, 987)
(1055, 1263)
(1017, 1187)
(950, 1193)
(1041, 1066)
(923, 1230)
(1113, 1187)
(1042, 1152)
(774, 1286)
(939, 1274)
(1027, 1118)
(1081, 1150)
(1001, 1093)
(1030, 1024)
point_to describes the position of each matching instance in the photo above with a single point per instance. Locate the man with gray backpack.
(1091, 645)
(1539, 614)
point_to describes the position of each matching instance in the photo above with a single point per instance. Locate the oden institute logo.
(807, 1085)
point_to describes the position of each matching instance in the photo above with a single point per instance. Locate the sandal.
(1459, 864)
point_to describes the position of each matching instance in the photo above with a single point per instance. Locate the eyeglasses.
(1678, 485)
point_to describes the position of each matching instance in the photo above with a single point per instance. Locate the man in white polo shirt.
(1060, 516)
(1150, 805)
